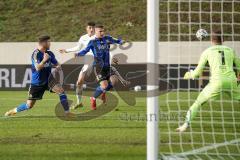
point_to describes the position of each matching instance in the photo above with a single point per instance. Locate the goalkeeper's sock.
(64, 101)
(22, 107)
(98, 92)
(192, 112)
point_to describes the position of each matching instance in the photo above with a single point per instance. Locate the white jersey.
(82, 43)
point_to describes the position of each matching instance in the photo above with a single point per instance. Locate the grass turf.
(121, 134)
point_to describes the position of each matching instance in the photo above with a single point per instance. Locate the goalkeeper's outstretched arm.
(201, 64)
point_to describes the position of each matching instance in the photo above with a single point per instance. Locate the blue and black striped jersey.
(41, 77)
(100, 48)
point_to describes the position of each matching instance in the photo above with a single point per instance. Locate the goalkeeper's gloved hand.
(189, 75)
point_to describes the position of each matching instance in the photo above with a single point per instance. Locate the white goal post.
(152, 79)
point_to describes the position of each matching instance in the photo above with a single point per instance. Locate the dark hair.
(99, 26)
(43, 38)
(92, 24)
(217, 36)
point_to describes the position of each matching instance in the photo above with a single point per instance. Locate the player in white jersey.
(87, 68)
(82, 43)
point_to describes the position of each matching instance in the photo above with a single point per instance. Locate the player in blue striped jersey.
(100, 47)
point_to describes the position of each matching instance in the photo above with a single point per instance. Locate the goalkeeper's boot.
(78, 105)
(11, 112)
(183, 127)
(103, 97)
(93, 103)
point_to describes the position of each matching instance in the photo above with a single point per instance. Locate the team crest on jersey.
(47, 64)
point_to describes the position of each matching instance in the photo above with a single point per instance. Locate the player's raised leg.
(63, 99)
(114, 79)
(22, 107)
(211, 91)
(103, 77)
(79, 91)
(34, 93)
(79, 84)
(102, 88)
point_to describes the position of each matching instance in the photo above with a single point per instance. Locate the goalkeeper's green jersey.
(221, 60)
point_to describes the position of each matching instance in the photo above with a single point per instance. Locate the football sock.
(79, 90)
(192, 112)
(98, 92)
(22, 107)
(64, 101)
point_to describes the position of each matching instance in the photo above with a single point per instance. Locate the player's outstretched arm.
(74, 49)
(86, 50)
(188, 75)
(115, 40)
(201, 64)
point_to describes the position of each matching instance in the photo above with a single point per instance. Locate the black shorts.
(36, 92)
(103, 73)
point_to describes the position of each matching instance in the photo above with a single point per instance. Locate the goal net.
(215, 132)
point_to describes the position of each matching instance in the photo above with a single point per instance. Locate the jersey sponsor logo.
(102, 47)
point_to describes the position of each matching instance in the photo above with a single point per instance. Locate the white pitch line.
(200, 150)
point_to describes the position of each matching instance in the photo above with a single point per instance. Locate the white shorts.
(86, 70)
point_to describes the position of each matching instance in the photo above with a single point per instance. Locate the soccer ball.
(201, 34)
(137, 88)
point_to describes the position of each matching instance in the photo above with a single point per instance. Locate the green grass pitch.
(119, 135)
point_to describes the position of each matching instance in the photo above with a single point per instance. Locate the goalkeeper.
(221, 60)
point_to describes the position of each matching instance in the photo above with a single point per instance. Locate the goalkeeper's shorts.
(215, 88)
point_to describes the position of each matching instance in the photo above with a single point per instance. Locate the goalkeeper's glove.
(189, 75)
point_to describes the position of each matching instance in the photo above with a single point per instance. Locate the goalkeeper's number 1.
(223, 57)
